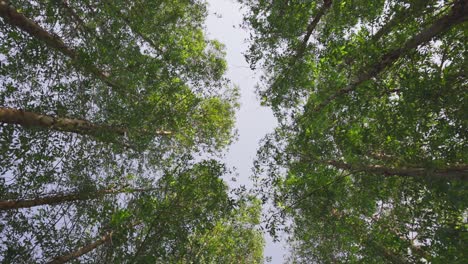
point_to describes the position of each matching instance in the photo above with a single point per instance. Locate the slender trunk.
(385, 29)
(11, 16)
(457, 15)
(79, 126)
(141, 247)
(106, 238)
(303, 45)
(399, 18)
(453, 173)
(56, 199)
(311, 27)
(83, 250)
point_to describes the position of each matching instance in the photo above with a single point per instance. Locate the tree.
(104, 107)
(371, 111)
(181, 226)
(141, 104)
(160, 224)
(84, 96)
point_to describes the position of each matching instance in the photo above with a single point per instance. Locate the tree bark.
(83, 250)
(14, 18)
(79, 126)
(57, 199)
(64, 124)
(459, 172)
(457, 15)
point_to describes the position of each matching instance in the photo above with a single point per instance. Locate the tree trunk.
(56, 199)
(459, 172)
(83, 250)
(400, 17)
(11, 16)
(64, 124)
(79, 126)
(311, 27)
(303, 45)
(457, 15)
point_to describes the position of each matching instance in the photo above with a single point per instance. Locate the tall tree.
(159, 224)
(85, 68)
(194, 204)
(147, 97)
(110, 93)
(372, 114)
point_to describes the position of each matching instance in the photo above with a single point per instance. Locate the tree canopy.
(115, 116)
(369, 163)
(104, 108)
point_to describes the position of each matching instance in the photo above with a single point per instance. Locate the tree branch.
(83, 250)
(57, 199)
(459, 172)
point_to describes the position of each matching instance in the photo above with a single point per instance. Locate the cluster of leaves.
(103, 106)
(369, 163)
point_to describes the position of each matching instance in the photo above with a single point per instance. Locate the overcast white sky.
(253, 121)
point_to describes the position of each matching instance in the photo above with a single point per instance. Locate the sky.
(253, 120)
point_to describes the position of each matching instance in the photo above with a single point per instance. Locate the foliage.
(156, 82)
(105, 105)
(233, 239)
(369, 161)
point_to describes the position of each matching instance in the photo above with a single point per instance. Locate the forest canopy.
(369, 162)
(104, 106)
(115, 117)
